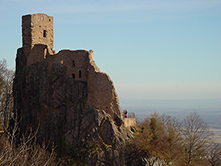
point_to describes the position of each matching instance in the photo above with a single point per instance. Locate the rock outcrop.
(47, 99)
(66, 98)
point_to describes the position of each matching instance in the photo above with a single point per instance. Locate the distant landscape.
(208, 109)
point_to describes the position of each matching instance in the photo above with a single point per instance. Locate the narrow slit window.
(79, 73)
(73, 63)
(44, 33)
(42, 18)
(73, 75)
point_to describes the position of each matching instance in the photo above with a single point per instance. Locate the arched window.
(79, 73)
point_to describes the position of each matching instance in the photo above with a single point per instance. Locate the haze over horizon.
(151, 49)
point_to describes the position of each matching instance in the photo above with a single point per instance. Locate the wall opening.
(79, 73)
(45, 53)
(42, 18)
(73, 63)
(44, 33)
(73, 75)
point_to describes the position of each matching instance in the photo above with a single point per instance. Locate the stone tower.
(37, 29)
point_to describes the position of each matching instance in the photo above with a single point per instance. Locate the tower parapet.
(37, 29)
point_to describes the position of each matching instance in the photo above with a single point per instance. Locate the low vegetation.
(12, 151)
(25, 151)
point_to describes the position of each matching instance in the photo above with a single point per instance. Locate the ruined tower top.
(37, 29)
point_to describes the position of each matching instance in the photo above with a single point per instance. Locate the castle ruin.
(66, 98)
(37, 38)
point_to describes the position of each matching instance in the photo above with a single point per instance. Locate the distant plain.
(208, 109)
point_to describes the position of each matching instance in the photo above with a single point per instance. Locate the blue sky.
(161, 49)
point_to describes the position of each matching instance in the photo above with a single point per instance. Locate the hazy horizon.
(208, 109)
(171, 103)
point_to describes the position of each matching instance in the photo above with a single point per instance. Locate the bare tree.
(6, 94)
(214, 154)
(196, 135)
(27, 152)
(172, 147)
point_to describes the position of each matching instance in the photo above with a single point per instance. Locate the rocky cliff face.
(56, 105)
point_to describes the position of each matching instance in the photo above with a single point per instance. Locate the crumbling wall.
(76, 62)
(101, 92)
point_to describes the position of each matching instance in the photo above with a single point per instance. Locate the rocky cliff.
(48, 100)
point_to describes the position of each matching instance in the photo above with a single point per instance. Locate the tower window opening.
(73, 63)
(42, 18)
(79, 73)
(73, 75)
(44, 33)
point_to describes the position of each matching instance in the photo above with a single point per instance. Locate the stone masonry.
(37, 35)
(37, 29)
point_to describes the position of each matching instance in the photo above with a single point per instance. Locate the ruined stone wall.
(102, 94)
(79, 64)
(37, 29)
(38, 53)
(81, 67)
(76, 61)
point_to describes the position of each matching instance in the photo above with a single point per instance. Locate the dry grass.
(27, 152)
